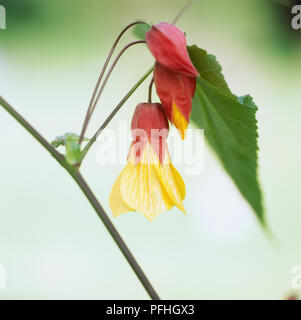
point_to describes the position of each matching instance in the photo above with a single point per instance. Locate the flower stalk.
(104, 84)
(150, 89)
(113, 113)
(92, 102)
(78, 178)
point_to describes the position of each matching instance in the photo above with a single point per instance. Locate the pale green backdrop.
(52, 244)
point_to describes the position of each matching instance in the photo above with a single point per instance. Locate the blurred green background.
(51, 242)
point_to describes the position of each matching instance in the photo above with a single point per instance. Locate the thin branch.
(178, 16)
(115, 235)
(150, 88)
(104, 69)
(113, 113)
(103, 86)
(89, 195)
(105, 82)
(31, 130)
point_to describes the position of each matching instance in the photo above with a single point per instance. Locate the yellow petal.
(141, 188)
(179, 120)
(115, 201)
(173, 183)
(179, 181)
(148, 187)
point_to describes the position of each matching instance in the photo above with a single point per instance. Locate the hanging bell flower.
(149, 183)
(174, 74)
(167, 43)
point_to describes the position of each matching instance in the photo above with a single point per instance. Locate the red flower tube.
(175, 91)
(167, 43)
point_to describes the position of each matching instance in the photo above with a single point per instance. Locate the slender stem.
(178, 16)
(93, 105)
(88, 146)
(89, 195)
(112, 114)
(103, 86)
(32, 130)
(103, 71)
(109, 74)
(150, 88)
(114, 233)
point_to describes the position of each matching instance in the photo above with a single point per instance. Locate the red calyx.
(150, 124)
(168, 45)
(173, 87)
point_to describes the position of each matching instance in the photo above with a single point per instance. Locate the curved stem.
(58, 156)
(113, 113)
(78, 178)
(103, 86)
(150, 88)
(178, 16)
(93, 105)
(103, 71)
(109, 73)
(114, 233)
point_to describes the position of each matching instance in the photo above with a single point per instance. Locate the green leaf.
(209, 68)
(230, 126)
(70, 141)
(140, 30)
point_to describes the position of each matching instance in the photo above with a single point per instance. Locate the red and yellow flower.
(174, 74)
(149, 183)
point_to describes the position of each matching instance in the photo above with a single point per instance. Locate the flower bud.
(167, 43)
(149, 124)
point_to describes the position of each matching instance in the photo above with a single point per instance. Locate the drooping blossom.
(149, 183)
(174, 74)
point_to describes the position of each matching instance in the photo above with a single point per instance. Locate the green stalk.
(78, 178)
(113, 113)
